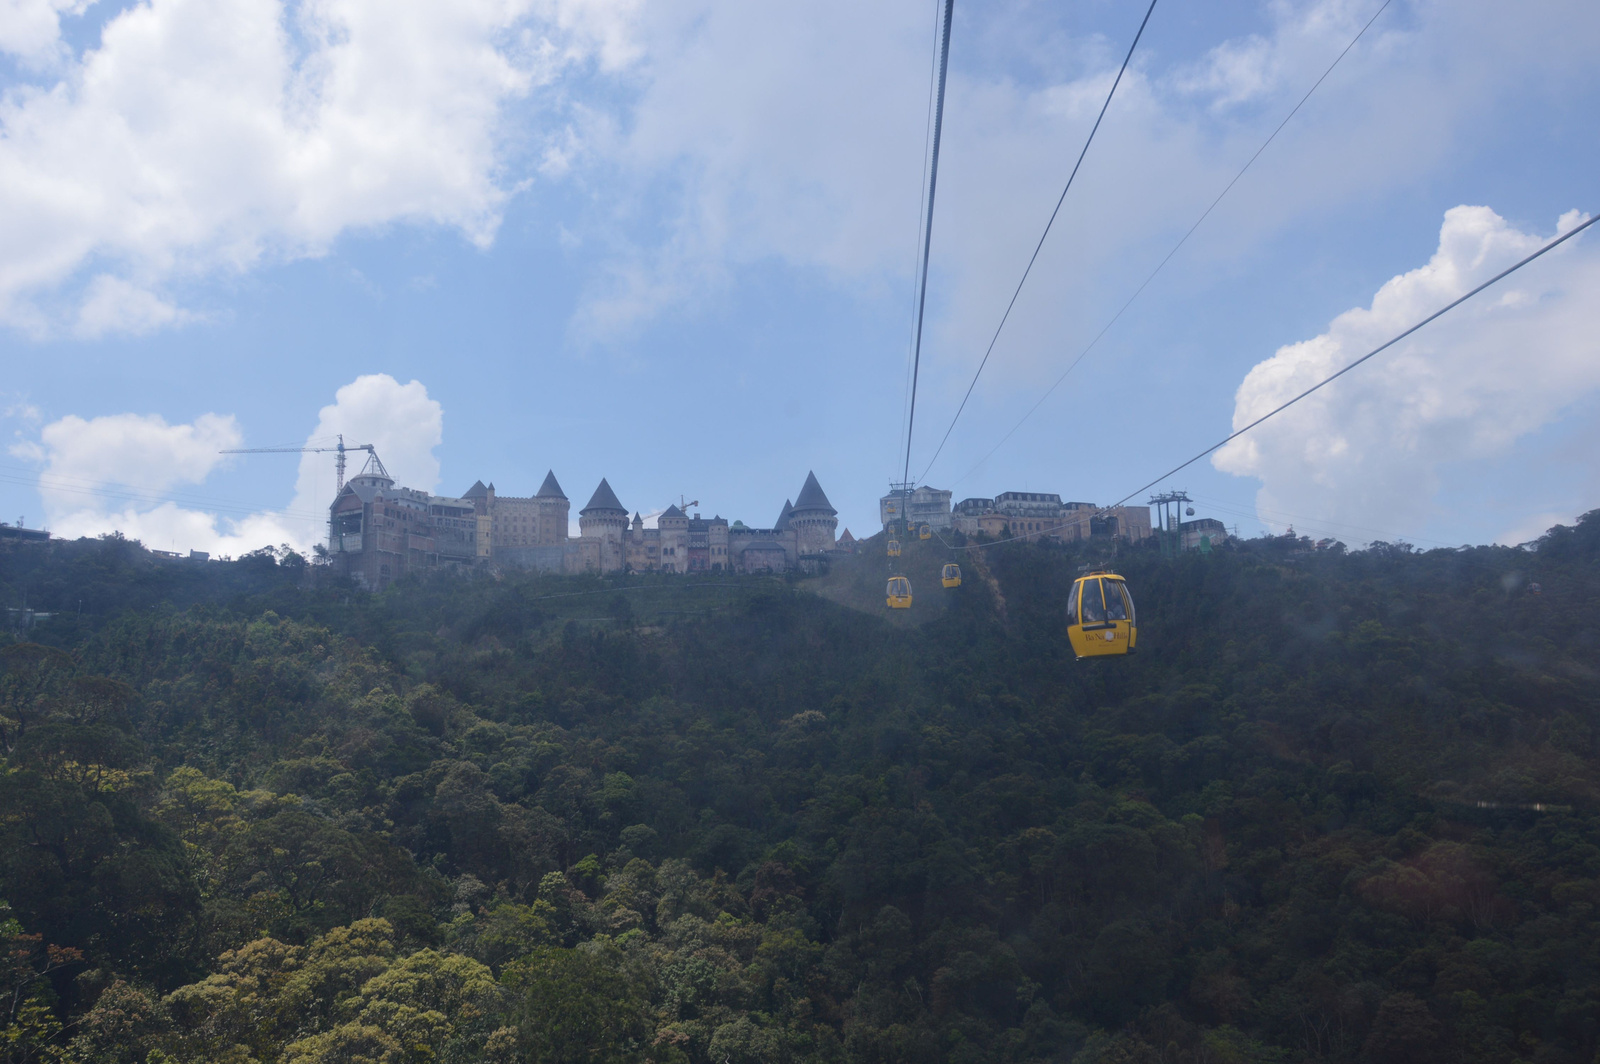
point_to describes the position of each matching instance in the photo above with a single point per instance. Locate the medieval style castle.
(377, 532)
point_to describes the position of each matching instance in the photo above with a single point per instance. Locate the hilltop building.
(802, 536)
(978, 517)
(1038, 514)
(378, 532)
(923, 506)
(23, 535)
(1203, 533)
(527, 532)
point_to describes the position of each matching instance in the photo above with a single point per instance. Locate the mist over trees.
(1341, 806)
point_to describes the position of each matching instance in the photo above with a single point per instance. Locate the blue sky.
(673, 245)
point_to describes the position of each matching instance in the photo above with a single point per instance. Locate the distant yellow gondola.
(1100, 617)
(925, 532)
(894, 548)
(899, 593)
(951, 577)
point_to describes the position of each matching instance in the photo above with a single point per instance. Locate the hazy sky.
(673, 244)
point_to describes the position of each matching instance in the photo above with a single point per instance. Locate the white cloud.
(24, 411)
(399, 420)
(762, 134)
(794, 135)
(110, 473)
(31, 29)
(1369, 448)
(142, 452)
(1248, 68)
(112, 305)
(201, 136)
(132, 473)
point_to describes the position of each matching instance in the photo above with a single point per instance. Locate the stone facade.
(378, 532)
(684, 543)
(813, 519)
(1043, 515)
(531, 532)
(1206, 531)
(923, 506)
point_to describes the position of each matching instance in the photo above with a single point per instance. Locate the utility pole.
(1169, 511)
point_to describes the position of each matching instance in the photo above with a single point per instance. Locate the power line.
(927, 232)
(1037, 247)
(1175, 248)
(1507, 272)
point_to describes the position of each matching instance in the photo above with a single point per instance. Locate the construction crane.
(339, 449)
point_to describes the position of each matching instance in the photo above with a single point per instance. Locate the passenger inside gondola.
(1094, 611)
(1116, 602)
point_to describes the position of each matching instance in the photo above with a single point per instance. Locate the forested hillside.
(1342, 806)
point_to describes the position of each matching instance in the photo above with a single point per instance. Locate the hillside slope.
(859, 581)
(1340, 807)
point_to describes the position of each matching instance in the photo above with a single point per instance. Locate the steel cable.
(1037, 247)
(1168, 258)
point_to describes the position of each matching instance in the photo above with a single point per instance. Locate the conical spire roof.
(550, 489)
(812, 497)
(477, 491)
(604, 499)
(783, 518)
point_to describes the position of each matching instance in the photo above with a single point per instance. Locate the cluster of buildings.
(378, 531)
(1014, 515)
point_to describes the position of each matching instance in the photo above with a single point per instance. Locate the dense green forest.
(1342, 806)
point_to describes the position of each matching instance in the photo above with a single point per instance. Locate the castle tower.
(605, 520)
(482, 500)
(813, 518)
(553, 514)
(673, 526)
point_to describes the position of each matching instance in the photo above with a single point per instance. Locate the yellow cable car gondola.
(925, 532)
(951, 577)
(894, 548)
(1100, 617)
(899, 593)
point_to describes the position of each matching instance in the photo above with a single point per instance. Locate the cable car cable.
(1040, 245)
(1502, 275)
(927, 136)
(1507, 272)
(1162, 264)
(927, 232)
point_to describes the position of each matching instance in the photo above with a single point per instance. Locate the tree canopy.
(1341, 806)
